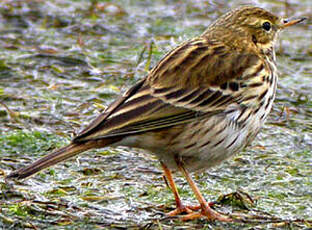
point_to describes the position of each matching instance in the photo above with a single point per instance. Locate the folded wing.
(180, 89)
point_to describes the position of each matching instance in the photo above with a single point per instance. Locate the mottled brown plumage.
(202, 103)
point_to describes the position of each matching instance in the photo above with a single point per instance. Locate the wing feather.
(198, 78)
(207, 67)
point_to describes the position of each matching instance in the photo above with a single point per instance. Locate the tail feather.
(54, 158)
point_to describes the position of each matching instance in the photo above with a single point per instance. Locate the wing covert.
(198, 78)
(203, 75)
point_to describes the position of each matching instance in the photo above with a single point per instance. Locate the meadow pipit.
(202, 103)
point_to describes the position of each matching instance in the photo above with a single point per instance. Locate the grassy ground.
(63, 62)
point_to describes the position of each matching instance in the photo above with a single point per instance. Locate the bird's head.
(254, 25)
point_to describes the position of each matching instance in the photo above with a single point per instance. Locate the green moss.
(31, 143)
(76, 58)
(19, 209)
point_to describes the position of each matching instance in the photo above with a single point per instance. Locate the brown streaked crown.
(245, 26)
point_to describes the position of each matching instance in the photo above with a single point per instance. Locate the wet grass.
(63, 62)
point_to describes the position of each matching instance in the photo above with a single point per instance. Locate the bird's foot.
(184, 209)
(205, 212)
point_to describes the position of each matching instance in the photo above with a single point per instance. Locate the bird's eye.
(266, 26)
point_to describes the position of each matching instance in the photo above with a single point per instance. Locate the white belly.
(200, 145)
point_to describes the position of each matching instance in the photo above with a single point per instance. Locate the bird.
(202, 103)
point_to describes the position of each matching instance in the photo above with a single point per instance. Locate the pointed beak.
(288, 23)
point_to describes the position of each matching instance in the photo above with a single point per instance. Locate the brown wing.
(135, 112)
(204, 75)
(198, 78)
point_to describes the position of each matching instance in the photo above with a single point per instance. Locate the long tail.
(56, 157)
